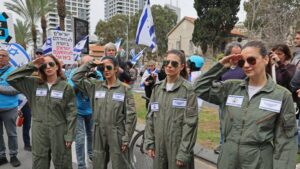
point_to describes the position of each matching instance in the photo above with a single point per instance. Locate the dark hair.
(298, 32)
(59, 71)
(285, 49)
(129, 64)
(112, 59)
(259, 45)
(182, 58)
(229, 47)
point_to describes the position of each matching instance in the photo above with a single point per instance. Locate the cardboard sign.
(7, 32)
(62, 46)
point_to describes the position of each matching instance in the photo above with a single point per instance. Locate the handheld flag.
(118, 43)
(47, 46)
(137, 57)
(79, 47)
(145, 34)
(18, 56)
(132, 53)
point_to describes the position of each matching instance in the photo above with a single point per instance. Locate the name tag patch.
(100, 94)
(118, 97)
(154, 106)
(41, 92)
(234, 100)
(56, 94)
(270, 105)
(179, 103)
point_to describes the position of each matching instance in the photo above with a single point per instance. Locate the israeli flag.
(132, 53)
(78, 48)
(18, 56)
(118, 43)
(47, 46)
(136, 58)
(145, 34)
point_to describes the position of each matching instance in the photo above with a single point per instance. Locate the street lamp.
(126, 37)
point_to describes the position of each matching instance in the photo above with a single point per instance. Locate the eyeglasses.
(173, 63)
(51, 64)
(102, 67)
(39, 53)
(250, 60)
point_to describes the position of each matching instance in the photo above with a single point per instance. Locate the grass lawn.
(208, 129)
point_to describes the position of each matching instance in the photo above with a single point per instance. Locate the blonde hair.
(109, 45)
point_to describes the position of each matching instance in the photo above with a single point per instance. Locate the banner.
(62, 46)
(18, 56)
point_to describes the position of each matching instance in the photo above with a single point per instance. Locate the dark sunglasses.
(250, 60)
(173, 63)
(51, 64)
(39, 53)
(102, 67)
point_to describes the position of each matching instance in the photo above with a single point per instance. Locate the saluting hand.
(38, 62)
(227, 61)
(97, 62)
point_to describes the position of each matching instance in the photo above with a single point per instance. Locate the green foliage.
(23, 34)
(216, 18)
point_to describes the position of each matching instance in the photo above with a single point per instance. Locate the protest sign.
(62, 46)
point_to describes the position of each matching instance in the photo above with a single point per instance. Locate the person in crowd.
(114, 114)
(195, 63)
(296, 54)
(26, 112)
(258, 121)
(84, 118)
(234, 72)
(53, 106)
(133, 73)
(8, 112)
(111, 50)
(284, 70)
(149, 78)
(171, 124)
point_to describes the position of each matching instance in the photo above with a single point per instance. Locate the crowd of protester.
(92, 104)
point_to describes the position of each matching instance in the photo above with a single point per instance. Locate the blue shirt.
(6, 101)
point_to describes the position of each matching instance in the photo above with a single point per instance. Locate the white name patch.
(179, 103)
(154, 106)
(57, 94)
(100, 94)
(234, 100)
(41, 92)
(118, 97)
(270, 105)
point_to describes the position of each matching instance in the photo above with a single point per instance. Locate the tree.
(273, 21)
(44, 6)
(27, 10)
(22, 33)
(216, 19)
(61, 11)
(164, 20)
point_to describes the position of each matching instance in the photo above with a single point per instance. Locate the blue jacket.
(83, 102)
(7, 101)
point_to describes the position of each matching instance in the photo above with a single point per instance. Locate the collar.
(270, 86)
(117, 84)
(177, 84)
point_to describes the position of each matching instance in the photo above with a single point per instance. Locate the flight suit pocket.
(289, 125)
(266, 122)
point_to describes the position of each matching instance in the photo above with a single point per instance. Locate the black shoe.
(27, 148)
(3, 160)
(14, 161)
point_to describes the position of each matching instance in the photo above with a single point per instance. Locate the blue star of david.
(13, 51)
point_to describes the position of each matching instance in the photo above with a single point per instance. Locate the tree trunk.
(34, 37)
(61, 11)
(44, 27)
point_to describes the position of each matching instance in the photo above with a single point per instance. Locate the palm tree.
(28, 11)
(22, 33)
(45, 6)
(61, 11)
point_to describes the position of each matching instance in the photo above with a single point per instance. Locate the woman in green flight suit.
(53, 105)
(171, 127)
(114, 113)
(258, 122)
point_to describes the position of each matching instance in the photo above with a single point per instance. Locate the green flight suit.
(53, 117)
(114, 118)
(171, 126)
(259, 133)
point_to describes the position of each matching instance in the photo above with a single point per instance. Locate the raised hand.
(227, 61)
(38, 62)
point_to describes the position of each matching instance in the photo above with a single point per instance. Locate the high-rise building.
(113, 7)
(176, 9)
(74, 8)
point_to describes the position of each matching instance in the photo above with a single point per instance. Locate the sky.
(97, 9)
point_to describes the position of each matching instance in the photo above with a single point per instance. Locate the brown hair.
(285, 49)
(298, 32)
(59, 71)
(183, 72)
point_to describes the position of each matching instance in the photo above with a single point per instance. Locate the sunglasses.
(102, 67)
(173, 63)
(51, 64)
(39, 53)
(250, 60)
